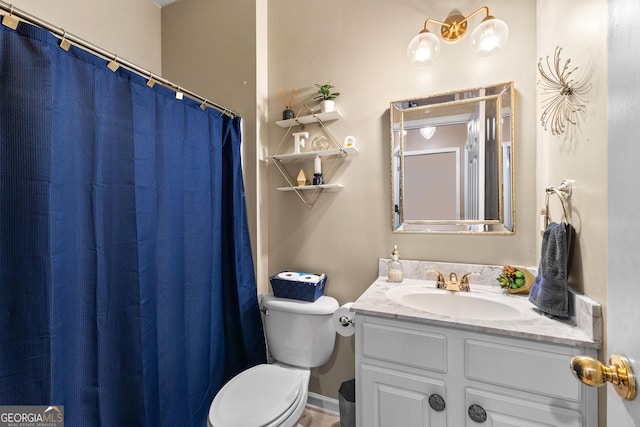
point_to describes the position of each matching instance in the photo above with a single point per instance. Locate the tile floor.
(316, 417)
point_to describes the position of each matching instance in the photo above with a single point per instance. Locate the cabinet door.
(509, 411)
(391, 399)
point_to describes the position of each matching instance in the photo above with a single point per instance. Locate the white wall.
(127, 28)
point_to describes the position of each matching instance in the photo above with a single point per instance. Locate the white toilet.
(300, 335)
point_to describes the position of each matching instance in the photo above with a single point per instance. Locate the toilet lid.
(256, 397)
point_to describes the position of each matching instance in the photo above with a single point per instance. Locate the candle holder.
(317, 171)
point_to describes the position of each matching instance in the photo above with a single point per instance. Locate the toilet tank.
(299, 333)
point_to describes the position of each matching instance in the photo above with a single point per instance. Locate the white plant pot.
(327, 106)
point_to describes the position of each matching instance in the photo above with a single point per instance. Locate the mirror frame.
(498, 92)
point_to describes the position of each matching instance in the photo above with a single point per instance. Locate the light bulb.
(489, 37)
(427, 132)
(423, 49)
(489, 42)
(422, 54)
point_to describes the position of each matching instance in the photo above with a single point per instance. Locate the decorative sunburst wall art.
(563, 94)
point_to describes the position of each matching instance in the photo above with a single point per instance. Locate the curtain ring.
(113, 64)
(151, 81)
(9, 20)
(179, 94)
(64, 43)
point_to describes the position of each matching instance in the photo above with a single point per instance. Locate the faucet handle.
(440, 282)
(464, 282)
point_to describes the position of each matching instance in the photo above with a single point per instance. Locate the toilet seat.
(262, 396)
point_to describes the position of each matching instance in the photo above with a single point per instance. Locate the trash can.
(347, 402)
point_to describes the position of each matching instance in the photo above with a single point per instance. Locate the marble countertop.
(584, 328)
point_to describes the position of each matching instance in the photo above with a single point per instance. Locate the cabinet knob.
(436, 402)
(595, 374)
(477, 413)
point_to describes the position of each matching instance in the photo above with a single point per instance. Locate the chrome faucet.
(452, 284)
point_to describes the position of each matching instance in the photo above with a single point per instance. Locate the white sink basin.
(476, 305)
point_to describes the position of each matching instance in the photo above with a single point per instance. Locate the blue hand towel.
(550, 291)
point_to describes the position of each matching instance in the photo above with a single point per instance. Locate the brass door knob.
(595, 374)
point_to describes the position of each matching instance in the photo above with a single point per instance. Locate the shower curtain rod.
(63, 35)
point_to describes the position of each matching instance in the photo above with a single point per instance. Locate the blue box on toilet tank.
(298, 285)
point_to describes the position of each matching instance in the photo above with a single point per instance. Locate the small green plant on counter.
(325, 94)
(511, 278)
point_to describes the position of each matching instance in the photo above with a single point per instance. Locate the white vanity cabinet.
(416, 374)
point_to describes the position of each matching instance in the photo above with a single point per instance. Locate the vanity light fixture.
(486, 39)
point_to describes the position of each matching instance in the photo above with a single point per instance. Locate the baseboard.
(323, 403)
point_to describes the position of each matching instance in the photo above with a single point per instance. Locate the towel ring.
(564, 193)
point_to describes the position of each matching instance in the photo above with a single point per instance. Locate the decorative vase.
(327, 105)
(302, 179)
(288, 114)
(529, 280)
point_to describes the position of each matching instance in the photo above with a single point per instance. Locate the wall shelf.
(311, 118)
(309, 193)
(326, 187)
(351, 151)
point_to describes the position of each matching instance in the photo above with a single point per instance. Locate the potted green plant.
(326, 97)
(516, 280)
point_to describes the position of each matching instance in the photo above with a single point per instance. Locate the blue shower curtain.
(127, 291)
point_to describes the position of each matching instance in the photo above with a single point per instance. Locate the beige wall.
(580, 155)
(223, 52)
(127, 28)
(346, 232)
(360, 47)
(217, 49)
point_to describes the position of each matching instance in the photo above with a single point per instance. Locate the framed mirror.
(452, 162)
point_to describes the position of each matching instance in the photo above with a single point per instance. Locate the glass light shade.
(489, 37)
(423, 49)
